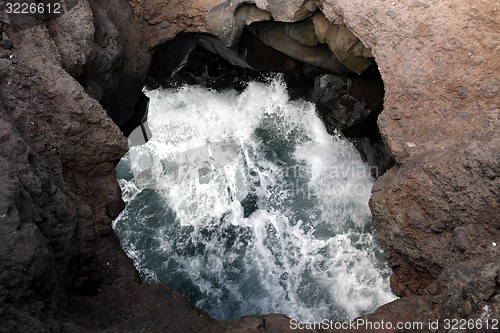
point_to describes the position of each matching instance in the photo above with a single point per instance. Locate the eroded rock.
(298, 40)
(302, 32)
(435, 211)
(73, 32)
(275, 36)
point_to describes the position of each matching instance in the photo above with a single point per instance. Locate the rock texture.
(63, 77)
(306, 37)
(62, 268)
(435, 212)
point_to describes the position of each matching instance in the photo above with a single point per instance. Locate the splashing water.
(245, 204)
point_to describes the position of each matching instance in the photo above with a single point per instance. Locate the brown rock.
(302, 32)
(321, 26)
(275, 36)
(348, 48)
(435, 211)
(73, 32)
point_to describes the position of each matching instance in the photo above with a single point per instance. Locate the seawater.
(246, 205)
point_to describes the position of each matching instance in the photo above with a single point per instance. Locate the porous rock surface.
(63, 78)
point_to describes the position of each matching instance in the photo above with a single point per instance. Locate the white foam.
(306, 249)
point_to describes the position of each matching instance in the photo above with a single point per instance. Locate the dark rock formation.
(351, 104)
(119, 62)
(275, 35)
(435, 211)
(62, 268)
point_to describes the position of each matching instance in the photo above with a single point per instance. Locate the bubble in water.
(245, 204)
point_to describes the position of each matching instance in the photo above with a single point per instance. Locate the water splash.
(245, 204)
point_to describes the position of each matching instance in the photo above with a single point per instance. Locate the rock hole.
(347, 90)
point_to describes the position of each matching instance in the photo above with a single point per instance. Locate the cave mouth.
(263, 209)
(348, 103)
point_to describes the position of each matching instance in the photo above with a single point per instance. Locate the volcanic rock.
(66, 77)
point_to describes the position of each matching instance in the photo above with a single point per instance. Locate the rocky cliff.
(67, 80)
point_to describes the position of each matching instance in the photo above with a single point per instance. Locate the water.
(245, 204)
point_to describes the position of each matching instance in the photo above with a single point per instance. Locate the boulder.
(302, 32)
(348, 48)
(321, 26)
(275, 35)
(120, 59)
(162, 21)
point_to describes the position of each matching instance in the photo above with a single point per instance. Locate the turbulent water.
(245, 204)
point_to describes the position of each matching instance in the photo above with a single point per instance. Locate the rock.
(172, 56)
(435, 211)
(4, 68)
(475, 284)
(161, 21)
(119, 60)
(5, 55)
(348, 49)
(204, 66)
(491, 88)
(340, 40)
(215, 46)
(263, 57)
(447, 202)
(275, 36)
(350, 103)
(294, 10)
(432, 174)
(321, 26)
(72, 33)
(339, 109)
(302, 32)
(376, 155)
(247, 14)
(4, 21)
(57, 188)
(355, 117)
(6, 43)
(207, 17)
(360, 50)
